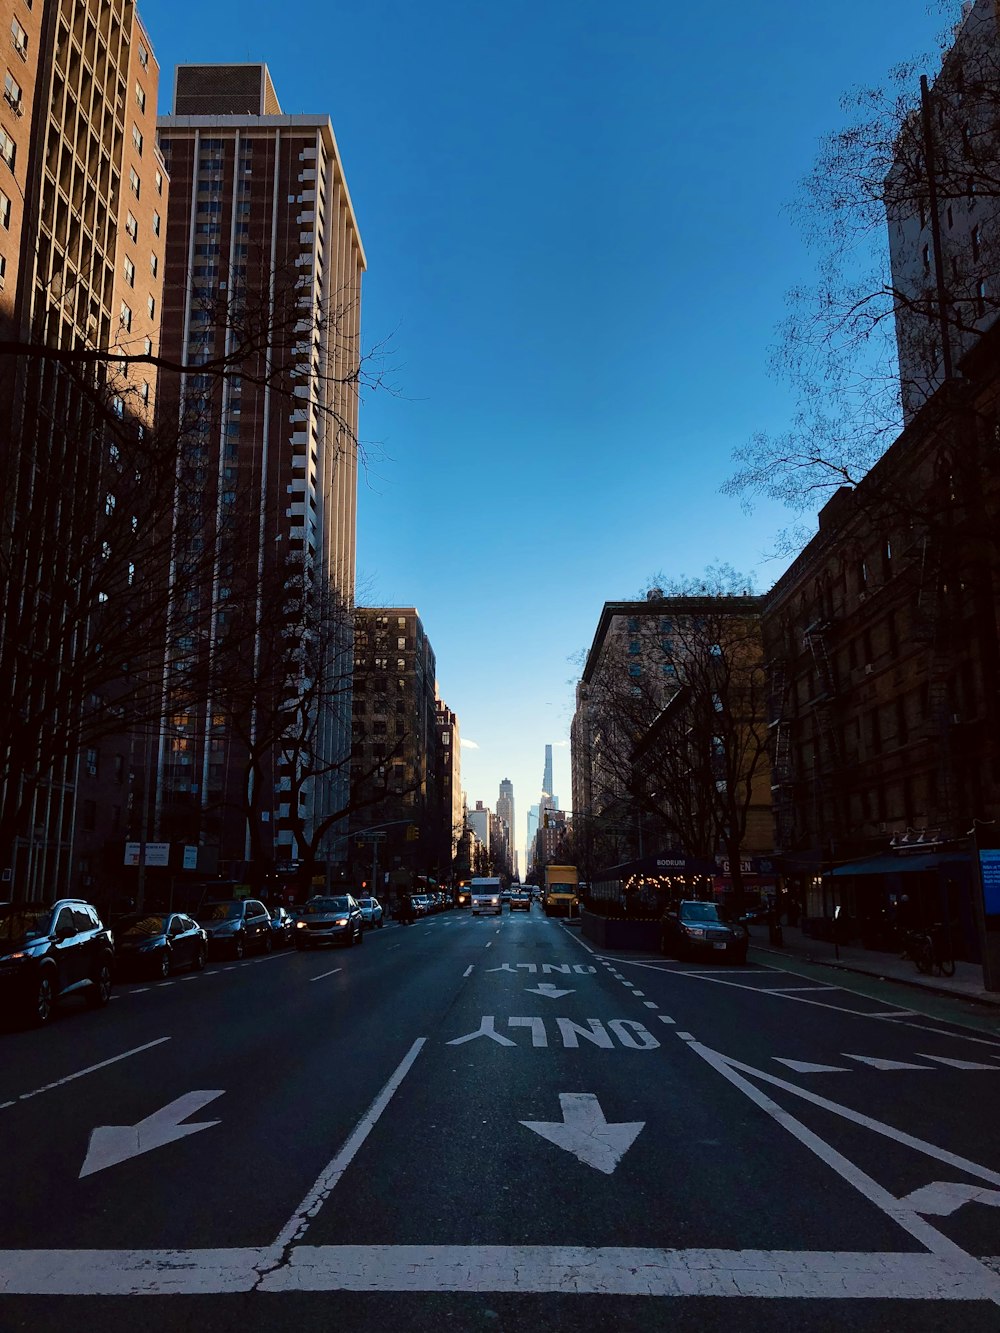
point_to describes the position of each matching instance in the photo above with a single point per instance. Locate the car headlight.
(341, 921)
(695, 931)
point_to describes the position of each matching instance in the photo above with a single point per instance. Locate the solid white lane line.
(785, 990)
(297, 1225)
(467, 971)
(327, 974)
(515, 1269)
(574, 936)
(102, 1064)
(897, 1209)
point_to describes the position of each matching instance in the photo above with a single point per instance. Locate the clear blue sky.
(575, 220)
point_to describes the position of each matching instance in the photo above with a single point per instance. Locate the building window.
(126, 317)
(981, 299)
(20, 39)
(156, 224)
(635, 669)
(129, 272)
(975, 238)
(132, 227)
(137, 138)
(8, 148)
(145, 391)
(151, 306)
(635, 647)
(133, 181)
(3, 271)
(12, 91)
(154, 264)
(143, 56)
(4, 210)
(926, 256)
(158, 181)
(140, 96)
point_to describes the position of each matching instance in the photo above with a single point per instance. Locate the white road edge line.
(897, 1209)
(297, 1225)
(327, 974)
(898, 1017)
(102, 1064)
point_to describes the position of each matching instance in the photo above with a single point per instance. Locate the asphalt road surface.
(481, 1123)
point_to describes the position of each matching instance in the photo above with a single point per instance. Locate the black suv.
(51, 950)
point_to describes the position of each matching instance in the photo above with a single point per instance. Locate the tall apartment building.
(264, 264)
(479, 821)
(505, 811)
(83, 197)
(395, 765)
(942, 208)
(450, 761)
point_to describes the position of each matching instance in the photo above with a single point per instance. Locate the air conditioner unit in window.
(869, 668)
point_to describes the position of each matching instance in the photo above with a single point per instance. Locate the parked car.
(371, 912)
(695, 928)
(282, 926)
(50, 951)
(157, 943)
(236, 926)
(330, 920)
(519, 902)
(422, 903)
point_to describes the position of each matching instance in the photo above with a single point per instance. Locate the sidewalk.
(967, 981)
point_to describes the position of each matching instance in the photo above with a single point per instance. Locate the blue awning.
(900, 865)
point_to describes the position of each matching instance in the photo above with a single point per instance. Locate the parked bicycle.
(931, 950)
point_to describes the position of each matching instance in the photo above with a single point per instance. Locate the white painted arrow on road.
(547, 988)
(585, 1132)
(111, 1144)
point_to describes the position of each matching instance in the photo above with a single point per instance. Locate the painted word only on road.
(566, 969)
(619, 1033)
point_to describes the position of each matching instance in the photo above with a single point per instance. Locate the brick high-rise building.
(264, 269)
(83, 196)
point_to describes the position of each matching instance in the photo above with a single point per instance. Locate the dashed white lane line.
(665, 1018)
(468, 971)
(90, 1069)
(322, 975)
(686, 1036)
(489, 944)
(640, 994)
(651, 1004)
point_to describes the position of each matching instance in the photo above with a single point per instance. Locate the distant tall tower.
(547, 779)
(505, 810)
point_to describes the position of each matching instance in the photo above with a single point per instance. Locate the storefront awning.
(900, 865)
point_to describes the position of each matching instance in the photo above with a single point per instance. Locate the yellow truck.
(561, 888)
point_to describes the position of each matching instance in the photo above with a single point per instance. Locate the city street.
(484, 1123)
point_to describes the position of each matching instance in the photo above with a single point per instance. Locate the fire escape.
(782, 777)
(827, 762)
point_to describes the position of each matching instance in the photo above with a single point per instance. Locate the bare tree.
(680, 722)
(871, 341)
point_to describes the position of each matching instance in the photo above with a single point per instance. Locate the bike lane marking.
(899, 1017)
(900, 1211)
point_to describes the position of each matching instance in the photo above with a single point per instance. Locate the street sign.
(157, 853)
